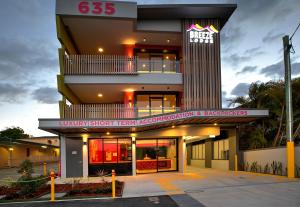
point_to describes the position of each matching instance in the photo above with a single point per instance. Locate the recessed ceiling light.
(107, 133)
(168, 41)
(167, 57)
(215, 124)
(173, 126)
(100, 49)
(100, 95)
(144, 40)
(165, 51)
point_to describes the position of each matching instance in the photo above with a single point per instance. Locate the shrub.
(26, 168)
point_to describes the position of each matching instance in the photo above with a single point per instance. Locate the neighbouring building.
(141, 88)
(36, 149)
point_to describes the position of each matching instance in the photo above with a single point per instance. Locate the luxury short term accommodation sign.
(101, 8)
(200, 34)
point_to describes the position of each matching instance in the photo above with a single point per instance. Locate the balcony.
(111, 111)
(117, 64)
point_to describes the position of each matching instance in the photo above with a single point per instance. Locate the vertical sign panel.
(202, 68)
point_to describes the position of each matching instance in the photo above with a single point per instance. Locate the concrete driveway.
(217, 188)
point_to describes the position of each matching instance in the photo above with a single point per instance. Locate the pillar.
(63, 163)
(209, 144)
(133, 150)
(85, 159)
(182, 155)
(233, 148)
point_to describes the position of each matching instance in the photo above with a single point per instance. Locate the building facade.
(141, 88)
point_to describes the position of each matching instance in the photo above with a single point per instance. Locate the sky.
(251, 50)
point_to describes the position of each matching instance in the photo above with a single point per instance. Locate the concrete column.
(188, 154)
(209, 146)
(133, 150)
(182, 155)
(63, 163)
(233, 147)
(85, 159)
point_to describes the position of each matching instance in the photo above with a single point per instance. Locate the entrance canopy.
(130, 125)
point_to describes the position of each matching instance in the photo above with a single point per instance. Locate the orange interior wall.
(129, 50)
(129, 98)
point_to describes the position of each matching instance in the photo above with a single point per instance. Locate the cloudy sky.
(251, 51)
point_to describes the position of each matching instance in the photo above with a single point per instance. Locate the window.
(109, 151)
(221, 149)
(27, 152)
(198, 152)
(152, 104)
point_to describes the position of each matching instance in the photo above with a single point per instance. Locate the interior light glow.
(100, 95)
(100, 49)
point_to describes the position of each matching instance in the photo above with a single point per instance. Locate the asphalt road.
(157, 201)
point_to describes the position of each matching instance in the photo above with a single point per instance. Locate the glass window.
(169, 103)
(198, 152)
(143, 105)
(124, 150)
(110, 150)
(95, 151)
(221, 149)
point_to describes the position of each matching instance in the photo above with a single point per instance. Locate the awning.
(130, 125)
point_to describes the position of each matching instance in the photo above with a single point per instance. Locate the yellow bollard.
(113, 183)
(45, 169)
(52, 193)
(235, 162)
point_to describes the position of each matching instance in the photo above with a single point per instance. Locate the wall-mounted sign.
(202, 34)
(103, 8)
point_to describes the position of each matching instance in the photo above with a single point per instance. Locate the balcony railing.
(117, 64)
(111, 111)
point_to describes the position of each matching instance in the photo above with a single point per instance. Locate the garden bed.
(78, 190)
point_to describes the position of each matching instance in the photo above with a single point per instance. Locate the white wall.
(267, 156)
(198, 163)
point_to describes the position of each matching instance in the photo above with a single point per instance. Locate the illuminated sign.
(202, 34)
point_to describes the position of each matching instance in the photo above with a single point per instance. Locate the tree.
(13, 133)
(270, 95)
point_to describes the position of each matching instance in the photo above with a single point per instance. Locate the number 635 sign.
(96, 7)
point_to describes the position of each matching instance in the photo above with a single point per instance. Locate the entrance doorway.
(156, 155)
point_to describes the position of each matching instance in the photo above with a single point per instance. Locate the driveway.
(218, 188)
(38, 170)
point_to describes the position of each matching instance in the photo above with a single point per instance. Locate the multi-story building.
(141, 88)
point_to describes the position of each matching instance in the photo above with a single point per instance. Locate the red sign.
(96, 7)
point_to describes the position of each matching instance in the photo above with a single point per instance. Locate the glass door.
(156, 63)
(156, 105)
(156, 155)
(146, 159)
(167, 155)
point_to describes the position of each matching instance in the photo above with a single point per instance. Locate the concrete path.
(217, 188)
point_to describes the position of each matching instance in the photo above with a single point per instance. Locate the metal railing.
(112, 111)
(116, 64)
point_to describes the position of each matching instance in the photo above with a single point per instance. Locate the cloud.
(12, 93)
(271, 37)
(46, 95)
(225, 101)
(22, 59)
(247, 69)
(277, 69)
(236, 59)
(240, 89)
